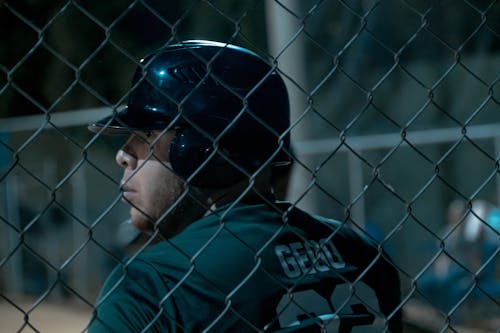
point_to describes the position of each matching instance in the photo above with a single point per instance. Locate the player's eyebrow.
(144, 136)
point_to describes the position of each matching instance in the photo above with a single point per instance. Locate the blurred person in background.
(435, 284)
(205, 163)
(489, 278)
(467, 246)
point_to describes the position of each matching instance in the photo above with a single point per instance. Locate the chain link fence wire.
(395, 130)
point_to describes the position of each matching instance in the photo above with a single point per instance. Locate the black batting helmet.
(228, 106)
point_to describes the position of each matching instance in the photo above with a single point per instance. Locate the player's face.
(148, 183)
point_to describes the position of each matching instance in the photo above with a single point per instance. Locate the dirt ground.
(48, 316)
(424, 319)
(71, 317)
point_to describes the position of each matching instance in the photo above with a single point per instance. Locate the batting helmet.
(228, 107)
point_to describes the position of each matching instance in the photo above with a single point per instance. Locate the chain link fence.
(395, 130)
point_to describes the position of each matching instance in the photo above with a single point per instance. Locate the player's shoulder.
(129, 272)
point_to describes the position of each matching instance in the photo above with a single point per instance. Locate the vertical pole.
(79, 203)
(288, 51)
(52, 245)
(496, 143)
(355, 188)
(15, 273)
(4, 165)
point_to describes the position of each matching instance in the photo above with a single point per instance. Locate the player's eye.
(144, 136)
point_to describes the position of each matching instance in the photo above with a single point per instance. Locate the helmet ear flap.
(189, 150)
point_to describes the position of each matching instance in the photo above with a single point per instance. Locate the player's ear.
(192, 153)
(160, 142)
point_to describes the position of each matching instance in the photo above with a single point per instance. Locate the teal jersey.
(251, 268)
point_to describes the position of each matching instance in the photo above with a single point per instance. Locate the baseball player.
(208, 128)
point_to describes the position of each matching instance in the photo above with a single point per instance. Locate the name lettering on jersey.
(309, 257)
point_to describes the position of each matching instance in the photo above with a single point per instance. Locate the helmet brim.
(129, 120)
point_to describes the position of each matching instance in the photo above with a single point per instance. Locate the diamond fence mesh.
(395, 126)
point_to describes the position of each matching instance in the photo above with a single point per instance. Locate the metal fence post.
(15, 275)
(355, 188)
(287, 47)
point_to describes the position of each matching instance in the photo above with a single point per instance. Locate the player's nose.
(125, 159)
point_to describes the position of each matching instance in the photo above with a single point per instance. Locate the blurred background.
(395, 130)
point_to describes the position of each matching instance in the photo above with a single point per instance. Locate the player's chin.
(141, 221)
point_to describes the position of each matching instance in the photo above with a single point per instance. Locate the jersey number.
(308, 311)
